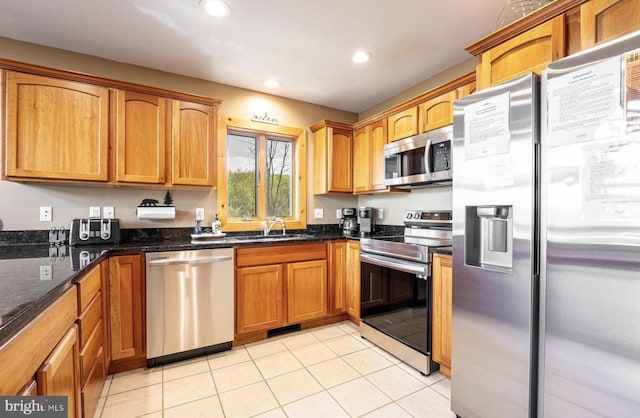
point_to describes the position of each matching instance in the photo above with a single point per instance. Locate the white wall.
(395, 204)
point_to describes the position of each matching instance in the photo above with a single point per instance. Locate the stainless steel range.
(395, 287)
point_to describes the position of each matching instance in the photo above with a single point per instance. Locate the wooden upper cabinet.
(530, 51)
(437, 112)
(194, 130)
(142, 137)
(402, 124)
(332, 157)
(55, 129)
(368, 160)
(362, 160)
(467, 89)
(601, 20)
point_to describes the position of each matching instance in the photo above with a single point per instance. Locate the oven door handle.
(420, 270)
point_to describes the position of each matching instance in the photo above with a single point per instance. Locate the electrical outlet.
(94, 211)
(199, 214)
(108, 212)
(45, 213)
(46, 272)
(380, 213)
(318, 213)
(338, 213)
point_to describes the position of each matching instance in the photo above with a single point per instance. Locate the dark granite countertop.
(443, 250)
(33, 276)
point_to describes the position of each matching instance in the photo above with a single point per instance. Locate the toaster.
(94, 231)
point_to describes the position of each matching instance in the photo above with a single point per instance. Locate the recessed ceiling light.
(271, 83)
(361, 57)
(216, 8)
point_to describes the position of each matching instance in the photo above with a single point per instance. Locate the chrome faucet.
(274, 220)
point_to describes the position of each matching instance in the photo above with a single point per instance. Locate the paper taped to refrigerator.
(585, 104)
(486, 127)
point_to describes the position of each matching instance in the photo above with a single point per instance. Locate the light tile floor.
(323, 372)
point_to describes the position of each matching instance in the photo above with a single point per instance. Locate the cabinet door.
(442, 284)
(126, 285)
(106, 307)
(529, 51)
(56, 129)
(194, 132)
(306, 290)
(378, 135)
(142, 138)
(60, 373)
(437, 112)
(337, 277)
(362, 175)
(467, 89)
(403, 124)
(601, 20)
(353, 280)
(259, 298)
(339, 157)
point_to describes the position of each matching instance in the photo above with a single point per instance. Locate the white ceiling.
(306, 44)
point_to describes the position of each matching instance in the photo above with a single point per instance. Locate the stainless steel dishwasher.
(189, 304)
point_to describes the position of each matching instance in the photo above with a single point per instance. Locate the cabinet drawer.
(88, 287)
(277, 254)
(93, 387)
(90, 352)
(89, 319)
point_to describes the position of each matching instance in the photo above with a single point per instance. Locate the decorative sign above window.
(265, 118)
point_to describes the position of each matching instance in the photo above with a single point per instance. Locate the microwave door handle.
(427, 159)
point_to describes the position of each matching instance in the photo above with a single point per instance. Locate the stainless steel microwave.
(419, 161)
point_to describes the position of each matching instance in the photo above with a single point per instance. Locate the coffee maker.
(349, 221)
(365, 216)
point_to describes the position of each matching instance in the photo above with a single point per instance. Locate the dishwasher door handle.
(166, 261)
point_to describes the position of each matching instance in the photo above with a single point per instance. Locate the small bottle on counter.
(216, 226)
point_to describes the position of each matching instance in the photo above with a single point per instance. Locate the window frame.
(298, 220)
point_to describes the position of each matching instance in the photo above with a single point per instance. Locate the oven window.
(397, 304)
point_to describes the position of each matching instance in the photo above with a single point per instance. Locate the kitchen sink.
(273, 237)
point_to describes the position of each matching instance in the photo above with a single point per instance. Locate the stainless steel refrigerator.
(546, 241)
(495, 251)
(590, 275)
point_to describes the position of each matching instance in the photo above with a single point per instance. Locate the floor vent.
(283, 330)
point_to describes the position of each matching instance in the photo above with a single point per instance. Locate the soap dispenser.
(216, 226)
(197, 230)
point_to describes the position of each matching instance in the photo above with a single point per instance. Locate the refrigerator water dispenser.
(489, 237)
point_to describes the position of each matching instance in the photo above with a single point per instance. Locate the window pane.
(241, 176)
(279, 177)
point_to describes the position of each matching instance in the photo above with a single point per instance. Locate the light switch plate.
(380, 213)
(94, 211)
(318, 213)
(199, 214)
(338, 213)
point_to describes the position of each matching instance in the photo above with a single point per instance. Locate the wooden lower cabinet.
(442, 303)
(259, 298)
(306, 290)
(353, 280)
(337, 277)
(127, 311)
(60, 373)
(279, 285)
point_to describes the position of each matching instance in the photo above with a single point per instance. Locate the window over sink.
(262, 174)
